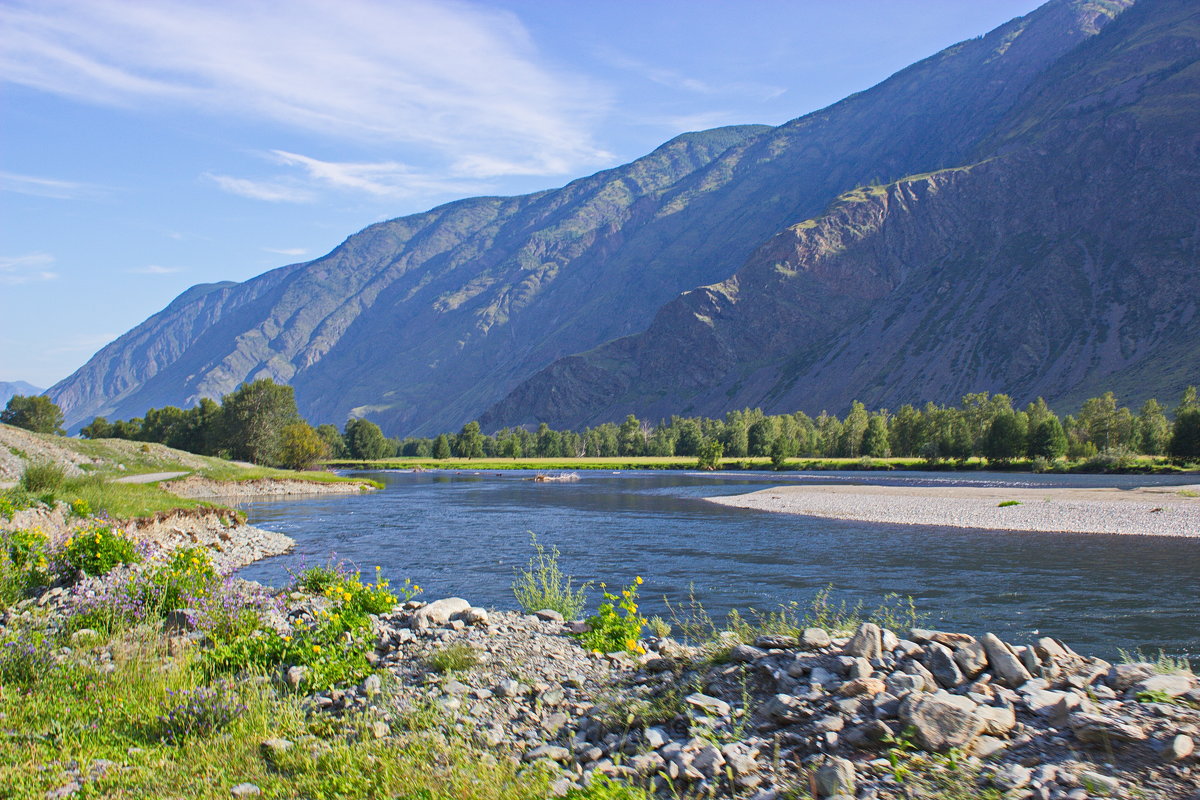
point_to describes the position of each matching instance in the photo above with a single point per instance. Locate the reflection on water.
(464, 533)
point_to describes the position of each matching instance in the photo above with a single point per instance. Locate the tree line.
(259, 422)
(983, 425)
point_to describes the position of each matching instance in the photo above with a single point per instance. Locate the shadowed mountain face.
(1060, 261)
(1047, 252)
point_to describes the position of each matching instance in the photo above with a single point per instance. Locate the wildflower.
(638, 580)
(316, 648)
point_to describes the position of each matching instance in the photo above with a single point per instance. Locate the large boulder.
(942, 721)
(1005, 664)
(439, 612)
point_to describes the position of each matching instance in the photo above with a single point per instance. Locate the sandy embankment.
(199, 488)
(1148, 511)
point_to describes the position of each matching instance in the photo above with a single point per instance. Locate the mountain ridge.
(426, 321)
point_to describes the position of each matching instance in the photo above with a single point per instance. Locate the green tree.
(300, 446)
(1106, 426)
(690, 437)
(1005, 438)
(710, 455)
(253, 418)
(37, 413)
(469, 442)
(853, 429)
(875, 440)
(906, 431)
(365, 440)
(1185, 436)
(1153, 429)
(1048, 440)
(441, 446)
(98, 428)
(631, 439)
(761, 436)
(333, 440)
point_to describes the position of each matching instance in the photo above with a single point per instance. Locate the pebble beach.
(1146, 511)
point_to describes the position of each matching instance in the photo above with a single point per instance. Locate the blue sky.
(149, 146)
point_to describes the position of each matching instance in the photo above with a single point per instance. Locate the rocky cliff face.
(1059, 262)
(424, 322)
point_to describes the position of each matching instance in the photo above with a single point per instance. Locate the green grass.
(76, 713)
(453, 658)
(123, 500)
(1008, 503)
(542, 585)
(229, 472)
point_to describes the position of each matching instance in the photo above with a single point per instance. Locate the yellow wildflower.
(638, 580)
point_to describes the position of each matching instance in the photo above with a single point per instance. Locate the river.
(464, 534)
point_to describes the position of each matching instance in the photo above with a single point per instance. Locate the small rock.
(380, 729)
(1174, 685)
(295, 676)
(475, 616)
(835, 777)
(971, 659)
(273, 748)
(777, 641)
(372, 685)
(65, 790)
(1100, 784)
(245, 790)
(866, 642)
(507, 688)
(941, 663)
(745, 654)
(815, 638)
(655, 738)
(997, 720)
(550, 751)
(1005, 664)
(1122, 676)
(709, 705)
(548, 615)
(1177, 748)
(862, 686)
(708, 760)
(439, 612)
(1095, 729)
(1012, 776)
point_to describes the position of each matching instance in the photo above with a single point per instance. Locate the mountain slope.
(1061, 262)
(424, 322)
(10, 388)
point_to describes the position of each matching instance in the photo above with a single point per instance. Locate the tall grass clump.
(42, 476)
(542, 585)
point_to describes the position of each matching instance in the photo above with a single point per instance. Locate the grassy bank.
(1137, 465)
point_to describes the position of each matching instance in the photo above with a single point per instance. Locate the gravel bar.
(1147, 511)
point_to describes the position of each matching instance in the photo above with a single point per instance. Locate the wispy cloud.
(155, 269)
(30, 268)
(45, 187)
(459, 80)
(272, 191)
(286, 251)
(673, 79)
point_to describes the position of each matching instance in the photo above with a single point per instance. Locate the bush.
(197, 712)
(96, 550)
(41, 477)
(542, 585)
(616, 625)
(453, 658)
(23, 564)
(25, 657)
(14, 500)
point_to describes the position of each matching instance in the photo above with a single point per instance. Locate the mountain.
(1059, 260)
(579, 304)
(10, 388)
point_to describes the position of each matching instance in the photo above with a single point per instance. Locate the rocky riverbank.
(233, 543)
(198, 487)
(1149, 511)
(870, 715)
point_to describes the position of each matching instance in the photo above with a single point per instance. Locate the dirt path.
(150, 477)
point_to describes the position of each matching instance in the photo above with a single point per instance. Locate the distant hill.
(1014, 213)
(10, 388)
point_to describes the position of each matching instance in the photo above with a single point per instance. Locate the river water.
(464, 534)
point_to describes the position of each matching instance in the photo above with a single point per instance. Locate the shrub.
(1008, 503)
(542, 585)
(616, 625)
(42, 476)
(197, 712)
(25, 657)
(96, 550)
(453, 658)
